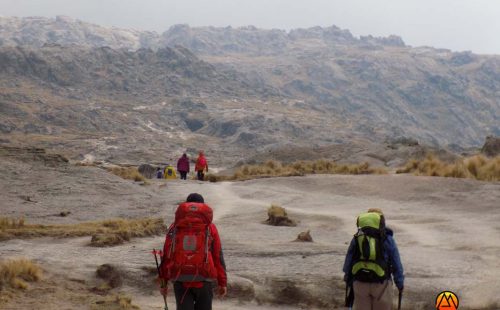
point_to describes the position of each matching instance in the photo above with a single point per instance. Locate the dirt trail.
(446, 231)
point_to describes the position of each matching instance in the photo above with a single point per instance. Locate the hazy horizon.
(459, 25)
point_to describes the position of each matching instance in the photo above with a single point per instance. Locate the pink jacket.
(183, 164)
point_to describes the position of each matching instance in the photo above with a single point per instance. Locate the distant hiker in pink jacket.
(183, 166)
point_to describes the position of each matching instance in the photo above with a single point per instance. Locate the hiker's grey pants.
(372, 296)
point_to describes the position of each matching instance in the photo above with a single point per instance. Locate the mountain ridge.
(244, 90)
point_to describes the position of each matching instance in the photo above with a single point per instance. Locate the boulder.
(491, 146)
(110, 274)
(304, 236)
(147, 171)
(240, 288)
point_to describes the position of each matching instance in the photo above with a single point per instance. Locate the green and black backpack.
(369, 263)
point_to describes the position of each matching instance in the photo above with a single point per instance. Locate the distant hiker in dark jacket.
(159, 173)
(368, 272)
(192, 256)
(201, 166)
(183, 166)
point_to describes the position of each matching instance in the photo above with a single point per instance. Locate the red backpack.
(189, 256)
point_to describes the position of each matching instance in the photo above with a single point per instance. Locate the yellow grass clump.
(104, 233)
(120, 302)
(15, 273)
(476, 167)
(274, 168)
(128, 173)
(277, 216)
(88, 163)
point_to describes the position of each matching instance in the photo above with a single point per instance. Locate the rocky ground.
(445, 228)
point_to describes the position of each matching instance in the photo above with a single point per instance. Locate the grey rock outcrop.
(62, 30)
(491, 146)
(147, 171)
(33, 154)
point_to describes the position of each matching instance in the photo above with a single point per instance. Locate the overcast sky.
(455, 24)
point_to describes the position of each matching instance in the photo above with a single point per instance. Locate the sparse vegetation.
(120, 302)
(128, 173)
(277, 216)
(274, 168)
(304, 236)
(111, 276)
(87, 164)
(15, 273)
(476, 167)
(105, 233)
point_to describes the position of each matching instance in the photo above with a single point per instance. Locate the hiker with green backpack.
(371, 264)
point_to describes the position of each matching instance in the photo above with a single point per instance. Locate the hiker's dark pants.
(201, 175)
(183, 175)
(192, 298)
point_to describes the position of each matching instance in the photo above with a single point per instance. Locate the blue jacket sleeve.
(348, 261)
(395, 262)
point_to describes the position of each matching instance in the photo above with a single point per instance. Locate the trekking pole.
(349, 296)
(400, 297)
(162, 282)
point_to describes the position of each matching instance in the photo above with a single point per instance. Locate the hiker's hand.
(401, 288)
(222, 291)
(163, 286)
(164, 290)
(347, 279)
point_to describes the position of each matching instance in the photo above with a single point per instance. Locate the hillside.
(131, 95)
(115, 102)
(385, 87)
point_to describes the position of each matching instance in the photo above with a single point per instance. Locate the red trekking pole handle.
(162, 282)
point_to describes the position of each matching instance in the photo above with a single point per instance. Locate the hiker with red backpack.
(192, 256)
(201, 166)
(371, 264)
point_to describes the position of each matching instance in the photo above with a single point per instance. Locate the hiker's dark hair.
(195, 197)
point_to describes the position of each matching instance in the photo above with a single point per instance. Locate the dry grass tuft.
(211, 178)
(274, 168)
(104, 240)
(476, 167)
(11, 223)
(120, 302)
(105, 233)
(87, 164)
(128, 173)
(277, 216)
(15, 273)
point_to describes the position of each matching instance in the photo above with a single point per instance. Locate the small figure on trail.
(372, 258)
(192, 256)
(201, 166)
(159, 173)
(170, 173)
(183, 166)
